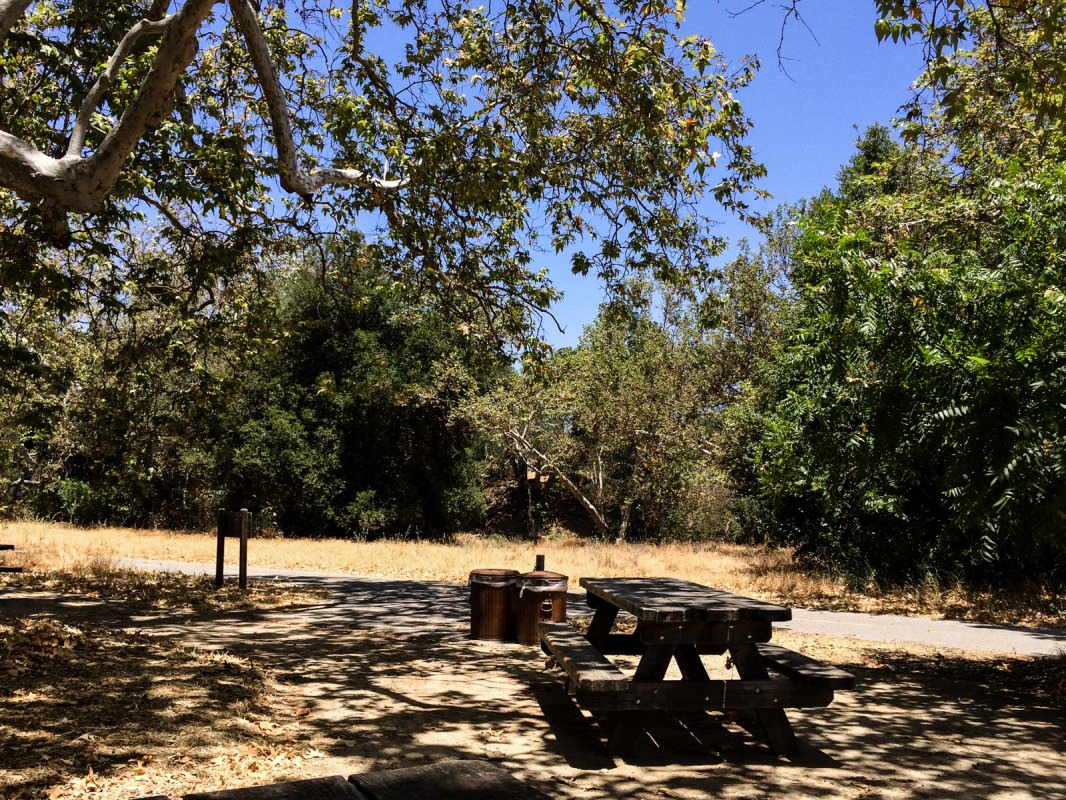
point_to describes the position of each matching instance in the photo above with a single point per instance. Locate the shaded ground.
(395, 684)
(169, 588)
(88, 711)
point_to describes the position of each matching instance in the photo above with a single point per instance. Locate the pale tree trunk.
(544, 464)
(293, 179)
(81, 183)
(623, 528)
(11, 12)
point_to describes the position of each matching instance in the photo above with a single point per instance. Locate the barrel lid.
(542, 575)
(494, 573)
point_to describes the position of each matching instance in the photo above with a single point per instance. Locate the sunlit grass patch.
(766, 572)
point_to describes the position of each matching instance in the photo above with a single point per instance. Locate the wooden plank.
(587, 667)
(644, 598)
(673, 600)
(772, 694)
(626, 730)
(220, 548)
(244, 522)
(704, 632)
(628, 644)
(805, 669)
(446, 780)
(620, 644)
(654, 663)
(334, 787)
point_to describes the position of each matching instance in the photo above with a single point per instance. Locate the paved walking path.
(428, 607)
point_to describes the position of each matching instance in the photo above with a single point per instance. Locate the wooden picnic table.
(680, 621)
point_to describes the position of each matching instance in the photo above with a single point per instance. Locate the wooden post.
(246, 530)
(539, 564)
(220, 555)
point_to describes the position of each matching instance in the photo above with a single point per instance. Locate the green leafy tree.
(351, 425)
(628, 422)
(470, 137)
(916, 426)
(114, 415)
(914, 422)
(322, 397)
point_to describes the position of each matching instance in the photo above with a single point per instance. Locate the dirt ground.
(294, 696)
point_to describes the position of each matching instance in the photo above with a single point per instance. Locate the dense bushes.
(319, 397)
(349, 426)
(912, 422)
(627, 423)
(915, 423)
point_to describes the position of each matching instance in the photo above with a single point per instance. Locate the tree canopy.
(470, 137)
(270, 251)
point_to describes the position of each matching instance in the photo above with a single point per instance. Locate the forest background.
(880, 382)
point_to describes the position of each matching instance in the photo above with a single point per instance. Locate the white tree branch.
(11, 12)
(293, 179)
(80, 184)
(525, 449)
(155, 98)
(103, 83)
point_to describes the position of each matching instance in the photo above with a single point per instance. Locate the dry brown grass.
(729, 566)
(59, 564)
(86, 711)
(170, 590)
(769, 573)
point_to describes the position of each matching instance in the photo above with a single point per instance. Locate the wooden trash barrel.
(541, 595)
(492, 600)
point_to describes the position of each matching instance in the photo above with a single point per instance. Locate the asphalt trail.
(409, 606)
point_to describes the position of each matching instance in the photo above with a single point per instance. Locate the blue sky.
(805, 122)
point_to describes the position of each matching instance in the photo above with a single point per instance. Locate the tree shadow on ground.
(387, 690)
(82, 702)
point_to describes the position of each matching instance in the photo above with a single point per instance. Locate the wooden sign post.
(233, 524)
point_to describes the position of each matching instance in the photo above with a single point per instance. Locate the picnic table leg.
(627, 726)
(774, 722)
(602, 622)
(690, 664)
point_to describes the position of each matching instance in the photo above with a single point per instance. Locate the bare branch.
(524, 449)
(293, 179)
(166, 211)
(790, 11)
(103, 83)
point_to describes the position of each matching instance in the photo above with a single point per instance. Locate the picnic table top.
(674, 600)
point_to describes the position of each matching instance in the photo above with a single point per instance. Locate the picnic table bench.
(680, 621)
